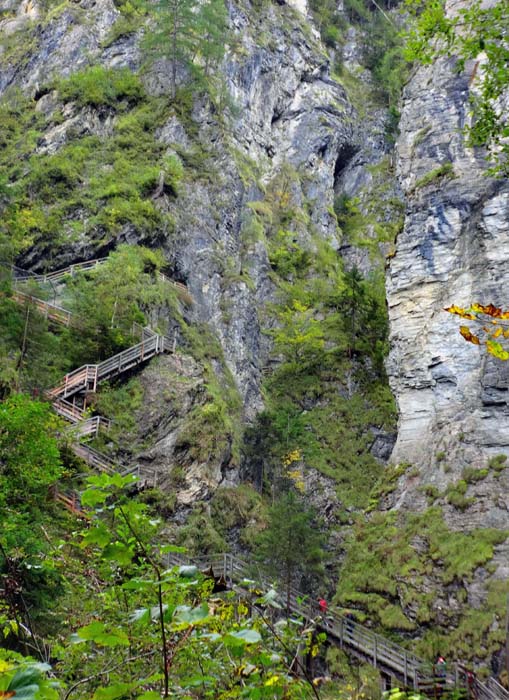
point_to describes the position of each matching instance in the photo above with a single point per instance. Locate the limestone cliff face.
(452, 398)
(287, 111)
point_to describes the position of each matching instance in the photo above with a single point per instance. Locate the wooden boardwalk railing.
(50, 311)
(490, 690)
(87, 377)
(19, 275)
(391, 658)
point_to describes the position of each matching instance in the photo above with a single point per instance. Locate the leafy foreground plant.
(152, 631)
(25, 680)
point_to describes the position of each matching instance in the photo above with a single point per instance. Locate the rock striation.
(454, 249)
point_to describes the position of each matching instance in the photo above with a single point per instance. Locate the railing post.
(375, 652)
(405, 671)
(341, 632)
(225, 569)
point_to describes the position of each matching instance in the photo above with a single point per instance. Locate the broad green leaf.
(28, 692)
(93, 497)
(149, 695)
(173, 549)
(119, 552)
(96, 534)
(98, 633)
(112, 692)
(191, 615)
(248, 636)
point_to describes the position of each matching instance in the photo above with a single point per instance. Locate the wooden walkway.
(393, 661)
(50, 311)
(77, 384)
(58, 276)
(86, 378)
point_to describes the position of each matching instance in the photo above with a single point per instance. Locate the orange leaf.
(4, 695)
(469, 336)
(498, 332)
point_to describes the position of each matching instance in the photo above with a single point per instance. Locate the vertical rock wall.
(453, 399)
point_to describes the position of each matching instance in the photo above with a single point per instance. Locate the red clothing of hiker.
(322, 604)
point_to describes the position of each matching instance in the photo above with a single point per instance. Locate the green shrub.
(446, 170)
(498, 463)
(456, 495)
(419, 550)
(472, 474)
(102, 87)
(431, 492)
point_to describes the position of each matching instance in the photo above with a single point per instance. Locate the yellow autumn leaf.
(497, 350)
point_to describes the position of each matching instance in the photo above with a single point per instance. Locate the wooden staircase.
(397, 664)
(84, 380)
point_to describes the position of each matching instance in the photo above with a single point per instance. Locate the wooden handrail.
(347, 633)
(48, 310)
(21, 275)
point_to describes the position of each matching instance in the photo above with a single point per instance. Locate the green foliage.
(31, 357)
(120, 404)
(25, 678)
(471, 32)
(498, 463)
(416, 548)
(446, 170)
(287, 258)
(132, 14)
(30, 459)
(147, 630)
(330, 22)
(388, 482)
(382, 44)
(212, 430)
(472, 474)
(188, 33)
(375, 216)
(89, 185)
(290, 548)
(102, 87)
(397, 694)
(329, 328)
(30, 465)
(456, 495)
(110, 298)
(200, 535)
(238, 508)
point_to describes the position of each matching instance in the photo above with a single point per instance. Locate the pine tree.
(291, 546)
(188, 33)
